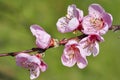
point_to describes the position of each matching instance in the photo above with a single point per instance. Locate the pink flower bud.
(42, 38)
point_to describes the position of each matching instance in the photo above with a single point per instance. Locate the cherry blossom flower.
(72, 55)
(90, 44)
(97, 21)
(71, 21)
(33, 63)
(42, 38)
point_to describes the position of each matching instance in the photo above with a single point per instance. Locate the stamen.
(97, 23)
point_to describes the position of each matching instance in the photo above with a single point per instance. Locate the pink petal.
(88, 28)
(104, 29)
(43, 66)
(99, 38)
(20, 58)
(82, 64)
(67, 62)
(79, 14)
(70, 42)
(71, 10)
(24, 59)
(75, 12)
(81, 61)
(95, 10)
(35, 29)
(73, 24)
(34, 59)
(20, 55)
(62, 24)
(34, 73)
(108, 19)
(42, 37)
(95, 50)
(43, 41)
(84, 48)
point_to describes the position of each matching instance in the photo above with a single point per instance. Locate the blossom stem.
(61, 42)
(25, 51)
(115, 28)
(39, 50)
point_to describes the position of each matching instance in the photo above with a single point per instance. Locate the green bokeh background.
(16, 16)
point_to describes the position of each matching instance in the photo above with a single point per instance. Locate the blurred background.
(16, 16)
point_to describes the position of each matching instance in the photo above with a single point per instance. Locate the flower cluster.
(94, 25)
(76, 50)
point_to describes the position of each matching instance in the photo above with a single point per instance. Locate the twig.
(61, 42)
(115, 28)
(39, 50)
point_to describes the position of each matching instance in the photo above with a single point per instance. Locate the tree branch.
(39, 50)
(61, 42)
(114, 28)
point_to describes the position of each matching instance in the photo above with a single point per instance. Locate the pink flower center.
(71, 54)
(97, 23)
(72, 51)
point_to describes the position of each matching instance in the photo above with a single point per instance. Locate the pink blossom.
(33, 63)
(97, 21)
(42, 38)
(71, 21)
(90, 44)
(72, 54)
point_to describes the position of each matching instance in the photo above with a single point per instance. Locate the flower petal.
(95, 10)
(34, 59)
(65, 25)
(61, 24)
(73, 11)
(81, 61)
(67, 62)
(34, 73)
(43, 41)
(42, 37)
(88, 28)
(70, 42)
(95, 50)
(22, 58)
(85, 47)
(43, 66)
(104, 29)
(73, 24)
(108, 19)
(35, 29)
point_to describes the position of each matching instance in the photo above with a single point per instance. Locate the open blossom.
(97, 21)
(72, 55)
(42, 37)
(33, 63)
(71, 21)
(90, 44)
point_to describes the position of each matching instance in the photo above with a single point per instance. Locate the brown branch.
(115, 28)
(61, 42)
(39, 50)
